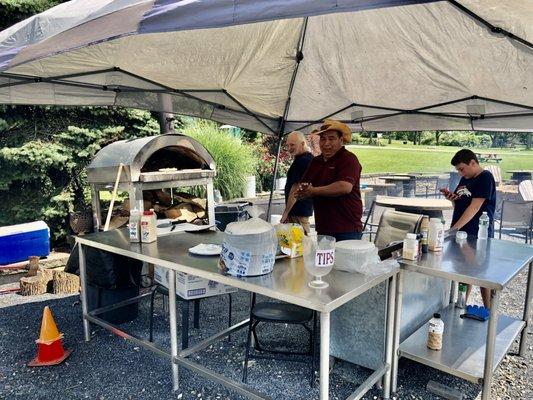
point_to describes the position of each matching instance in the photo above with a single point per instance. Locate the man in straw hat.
(332, 182)
(299, 150)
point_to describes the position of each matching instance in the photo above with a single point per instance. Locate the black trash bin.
(111, 278)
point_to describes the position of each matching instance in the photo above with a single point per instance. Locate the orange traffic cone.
(50, 347)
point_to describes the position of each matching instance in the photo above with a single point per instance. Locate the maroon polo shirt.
(340, 214)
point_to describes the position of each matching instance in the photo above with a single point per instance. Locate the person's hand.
(448, 194)
(305, 190)
(284, 218)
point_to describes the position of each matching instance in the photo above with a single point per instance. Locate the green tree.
(43, 159)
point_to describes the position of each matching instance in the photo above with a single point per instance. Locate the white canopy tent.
(279, 65)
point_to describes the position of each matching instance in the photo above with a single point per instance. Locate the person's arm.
(348, 174)
(291, 200)
(332, 190)
(469, 213)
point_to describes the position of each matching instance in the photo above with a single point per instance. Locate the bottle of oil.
(424, 227)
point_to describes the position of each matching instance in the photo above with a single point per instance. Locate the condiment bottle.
(148, 227)
(461, 296)
(435, 235)
(435, 331)
(424, 226)
(410, 247)
(135, 226)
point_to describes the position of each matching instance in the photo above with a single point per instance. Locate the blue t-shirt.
(302, 208)
(482, 186)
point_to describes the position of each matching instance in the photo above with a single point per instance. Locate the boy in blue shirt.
(475, 194)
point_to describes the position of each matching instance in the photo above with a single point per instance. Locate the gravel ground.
(109, 367)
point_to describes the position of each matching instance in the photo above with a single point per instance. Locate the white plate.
(204, 249)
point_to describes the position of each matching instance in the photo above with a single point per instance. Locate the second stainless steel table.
(287, 282)
(472, 350)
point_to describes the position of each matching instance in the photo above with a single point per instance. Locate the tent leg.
(276, 164)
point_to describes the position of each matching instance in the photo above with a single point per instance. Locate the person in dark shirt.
(302, 209)
(475, 194)
(332, 182)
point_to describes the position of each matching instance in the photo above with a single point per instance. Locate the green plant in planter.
(234, 159)
(265, 148)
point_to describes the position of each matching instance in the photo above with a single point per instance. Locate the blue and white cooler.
(18, 242)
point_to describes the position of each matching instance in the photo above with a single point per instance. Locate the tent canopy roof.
(276, 66)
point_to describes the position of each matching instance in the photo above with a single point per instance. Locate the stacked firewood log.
(182, 207)
(41, 280)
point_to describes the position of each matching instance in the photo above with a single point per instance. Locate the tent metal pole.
(399, 111)
(508, 103)
(493, 28)
(184, 93)
(162, 91)
(275, 174)
(323, 118)
(299, 58)
(248, 111)
(506, 116)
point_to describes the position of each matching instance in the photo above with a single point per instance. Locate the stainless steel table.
(288, 282)
(472, 350)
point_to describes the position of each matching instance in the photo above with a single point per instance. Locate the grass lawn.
(423, 159)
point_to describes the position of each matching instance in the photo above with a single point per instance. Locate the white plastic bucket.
(249, 187)
(280, 183)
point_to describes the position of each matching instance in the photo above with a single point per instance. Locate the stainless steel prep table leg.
(324, 355)
(527, 310)
(489, 349)
(83, 294)
(390, 349)
(173, 328)
(397, 326)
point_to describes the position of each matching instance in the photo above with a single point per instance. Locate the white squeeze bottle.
(435, 235)
(435, 331)
(135, 225)
(483, 231)
(410, 247)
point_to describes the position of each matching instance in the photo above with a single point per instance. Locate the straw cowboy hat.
(333, 125)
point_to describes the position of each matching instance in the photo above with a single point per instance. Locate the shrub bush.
(465, 139)
(265, 148)
(234, 159)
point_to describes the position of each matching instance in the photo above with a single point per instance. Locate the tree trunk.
(529, 140)
(166, 122)
(437, 137)
(166, 119)
(494, 138)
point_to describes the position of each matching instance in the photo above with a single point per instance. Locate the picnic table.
(486, 157)
(416, 205)
(401, 181)
(520, 175)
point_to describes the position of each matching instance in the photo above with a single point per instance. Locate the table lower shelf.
(463, 346)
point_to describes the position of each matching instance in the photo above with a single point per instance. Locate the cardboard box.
(192, 287)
